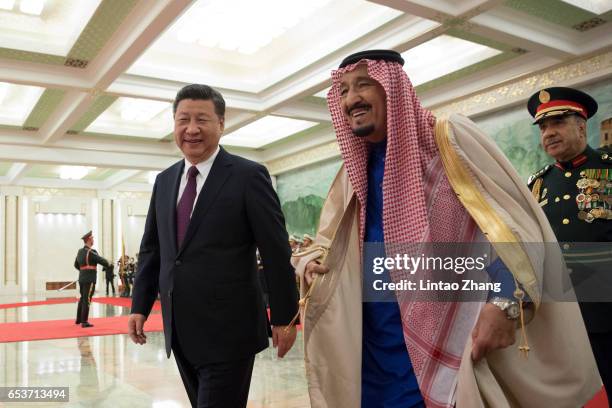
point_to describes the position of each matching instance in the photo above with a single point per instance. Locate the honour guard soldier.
(86, 263)
(124, 276)
(576, 195)
(110, 278)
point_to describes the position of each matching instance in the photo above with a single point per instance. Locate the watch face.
(513, 311)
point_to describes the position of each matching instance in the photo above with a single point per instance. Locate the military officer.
(86, 263)
(575, 193)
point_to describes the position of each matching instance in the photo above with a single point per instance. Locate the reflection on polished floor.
(111, 371)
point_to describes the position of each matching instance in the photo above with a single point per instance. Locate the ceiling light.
(594, 6)
(74, 172)
(135, 117)
(141, 110)
(32, 6)
(257, 24)
(7, 4)
(48, 27)
(424, 62)
(16, 102)
(265, 130)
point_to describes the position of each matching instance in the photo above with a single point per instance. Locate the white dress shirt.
(203, 169)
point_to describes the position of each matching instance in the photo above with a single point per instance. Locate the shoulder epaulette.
(538, 173)
(605, 154)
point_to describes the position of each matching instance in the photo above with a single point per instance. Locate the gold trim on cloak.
(489, 222)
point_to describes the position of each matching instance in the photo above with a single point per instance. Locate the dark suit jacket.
(209, 287)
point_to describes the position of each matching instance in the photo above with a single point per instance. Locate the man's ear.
(582, 125)
(222, 123)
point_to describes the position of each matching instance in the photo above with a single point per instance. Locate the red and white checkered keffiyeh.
(419, 205)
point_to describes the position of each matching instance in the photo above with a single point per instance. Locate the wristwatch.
(510, 307)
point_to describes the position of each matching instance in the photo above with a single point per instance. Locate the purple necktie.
(185, 205)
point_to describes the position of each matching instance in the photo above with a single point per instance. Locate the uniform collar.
(576, 161)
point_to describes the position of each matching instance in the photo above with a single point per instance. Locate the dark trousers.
(215, 385)
(601, 343)
(87, 290)
(112, 284)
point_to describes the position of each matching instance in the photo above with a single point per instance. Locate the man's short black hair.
(201, 92)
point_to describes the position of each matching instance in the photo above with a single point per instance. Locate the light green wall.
(514, 133)
(302, 193)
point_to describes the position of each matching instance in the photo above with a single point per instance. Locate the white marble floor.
(111, 371)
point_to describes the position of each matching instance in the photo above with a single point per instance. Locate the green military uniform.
(576, 197)
(86, 263)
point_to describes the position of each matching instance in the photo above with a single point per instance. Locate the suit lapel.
(176, 182)
(219, 173)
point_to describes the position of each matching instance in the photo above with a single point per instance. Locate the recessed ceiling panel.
(144, 177)
(594, 6)
(100, 174)
(4, 168)
(266, 130)
(16, 102)
(44, 26)
(441, 56)
(42, 171)
(135, 117)
(48, 171)
(265, 42)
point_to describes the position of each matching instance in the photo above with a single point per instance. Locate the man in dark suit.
(208, 214)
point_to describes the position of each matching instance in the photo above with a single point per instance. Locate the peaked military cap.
(86, 236)
(376, 55)
(560, 101)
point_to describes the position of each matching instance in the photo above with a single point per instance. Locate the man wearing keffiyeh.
(410, 178)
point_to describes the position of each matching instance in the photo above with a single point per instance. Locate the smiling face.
(563, 137)
(363, 101)
(197, 129)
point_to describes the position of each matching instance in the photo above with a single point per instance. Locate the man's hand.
(493, 331)
(313, 268)
(136, 328)
(283, 338)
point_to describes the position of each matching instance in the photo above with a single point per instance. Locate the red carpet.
(62, 329)
(600, 401)
(54, 301)
(115, 301)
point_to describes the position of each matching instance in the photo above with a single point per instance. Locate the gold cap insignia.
(544, 96)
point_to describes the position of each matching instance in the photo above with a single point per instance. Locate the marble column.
(11, 238)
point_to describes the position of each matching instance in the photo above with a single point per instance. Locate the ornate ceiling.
(90, 83)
